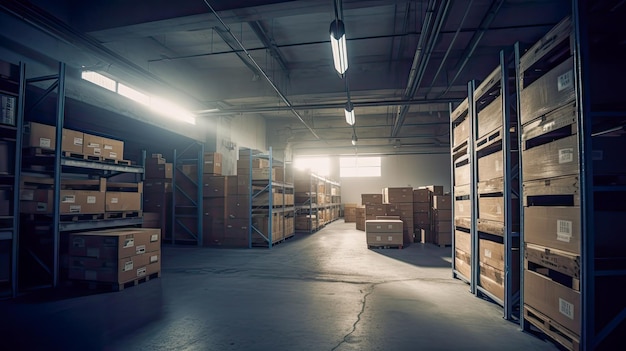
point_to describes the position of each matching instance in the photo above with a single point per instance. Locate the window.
(99, 79)
(317, 165)
(359, 167)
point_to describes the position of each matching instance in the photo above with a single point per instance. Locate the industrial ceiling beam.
(271, 46)
(226, 38)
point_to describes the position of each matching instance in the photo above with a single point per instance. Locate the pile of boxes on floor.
(424, 214)
(78, 196)
(157, 197)
(115, 256)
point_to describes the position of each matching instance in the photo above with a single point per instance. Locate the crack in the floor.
(369, 290)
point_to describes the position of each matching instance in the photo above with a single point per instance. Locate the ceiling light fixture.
(354, 139)
(349, 112)
(338, 44)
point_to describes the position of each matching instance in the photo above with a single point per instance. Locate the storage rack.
(318, 199)
(263, 207)
(573, 115)
(494, 157)
(187, 204)
(44, 245)
(13, 87)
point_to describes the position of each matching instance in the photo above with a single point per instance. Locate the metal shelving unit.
(575, 130)
(10, 134)
(187, 202)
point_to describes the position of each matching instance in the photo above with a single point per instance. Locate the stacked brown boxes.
(157, 196)
(212, 163)
(78, 197)
(384, 232)
(306, 186)
(550, 171)
(461, 182)
(360, 217)
(422, 214)
(349, 213)
(400, 203)
(442, 218)
(116, 256)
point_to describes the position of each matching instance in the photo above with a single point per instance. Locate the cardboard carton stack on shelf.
(157, 196)
(115, 256)
(442, 219)
(422, 214)
(400, 203)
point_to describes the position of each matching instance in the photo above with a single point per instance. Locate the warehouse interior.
(484, 136)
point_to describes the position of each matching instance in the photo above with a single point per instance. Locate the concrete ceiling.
(184, 44)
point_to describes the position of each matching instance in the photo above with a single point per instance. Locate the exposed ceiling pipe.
(478, 35)
(362, 104)
(420, 60)
(269, 80)
(225, 38)
(257, 28)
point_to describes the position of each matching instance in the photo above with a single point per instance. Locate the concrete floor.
(324, 291)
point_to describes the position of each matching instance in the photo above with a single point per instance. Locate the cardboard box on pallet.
(212, 163)
(422, 207)
(349, 212)
(115, 243)
(72, 141)
(159, 170)
(378, 209)
(397, 195)
(442, 202)
(238, 206)
(384, 232)
(422, 195)
(93, 145)
(112, 149)
(40, 135)
(119, 271)
(122, 201)
(214, 186)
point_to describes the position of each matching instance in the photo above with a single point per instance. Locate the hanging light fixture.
(338, 44)
(354, 139)
(349, 111)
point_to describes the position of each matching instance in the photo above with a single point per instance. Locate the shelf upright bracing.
(187, 201)
(573, 117)
(12, 89)
(497, 188)
(462, 194)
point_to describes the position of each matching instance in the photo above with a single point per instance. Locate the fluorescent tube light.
(338, 44)
(349, 112)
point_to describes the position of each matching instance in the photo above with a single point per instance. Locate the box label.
(549, 126)
(487, 253)
(114, 200)
(78, 141)
(141, 271)
(389, 226)
(112, 154)
(141, 249)
(563, 230)
(108, 147)
(129, 242)
(93, 145)
(44, 142)
(460, 207)
(566, 155)
(97, 151)
(154, 237)
(390, 238)
(27, 194)
(379, 238)
(498, 165)
(498, 209)
(565, 81)
(566, 308)
(91, 199)
(74, 208)
(154, 258)
(128, 266)
(68, 199)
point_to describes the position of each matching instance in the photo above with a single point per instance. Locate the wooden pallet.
(552, 329)
(77, 217)
(399, 247)
(80, 156)
(108, 286)
(38, 151)
(116, 161)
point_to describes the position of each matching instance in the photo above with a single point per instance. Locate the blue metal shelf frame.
(198, 203)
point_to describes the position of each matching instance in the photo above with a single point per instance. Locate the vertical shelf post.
(60, 114)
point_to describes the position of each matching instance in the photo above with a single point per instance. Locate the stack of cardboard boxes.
(157, 197)
(400, 203)
(384, 232)
(349, 213)
(422, 213)
(442, 219)
(116, 256)
(360, 217)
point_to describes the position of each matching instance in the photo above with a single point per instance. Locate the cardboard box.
(36, 201)
(146, 239)
(371, 199)
(553, 89)
(383, 239)
(422, 195)
(122, 271)
(490, 166)
(405, 209)
(435, 189)
(442, 215)
(214, 186)
(422, 220)
(490, 117)
(151, 220)
(555, 159)
(40, 135)
(115, 243)
(554, 226)
(461, 132)
(462, 263)
(443, 238)
(212, 163)
(158, 186)
(93, 145)
(263, 174)
(556, 301)
(112, 149)
(419, 207)
(443, 227)
(462, 208)
(398, 195)
(462, 174)
(378, 210)
(384, 226)
(122, 201)
(72, 141)
(238, 206)
(243, 184)
(462, 241)
(442, 202)
(7, 157)
(82, 202)
(159, 171)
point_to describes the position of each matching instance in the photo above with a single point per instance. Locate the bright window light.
(169, 109)
(359, 167)
(99, 79)
(133, 94)
(317, 165)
